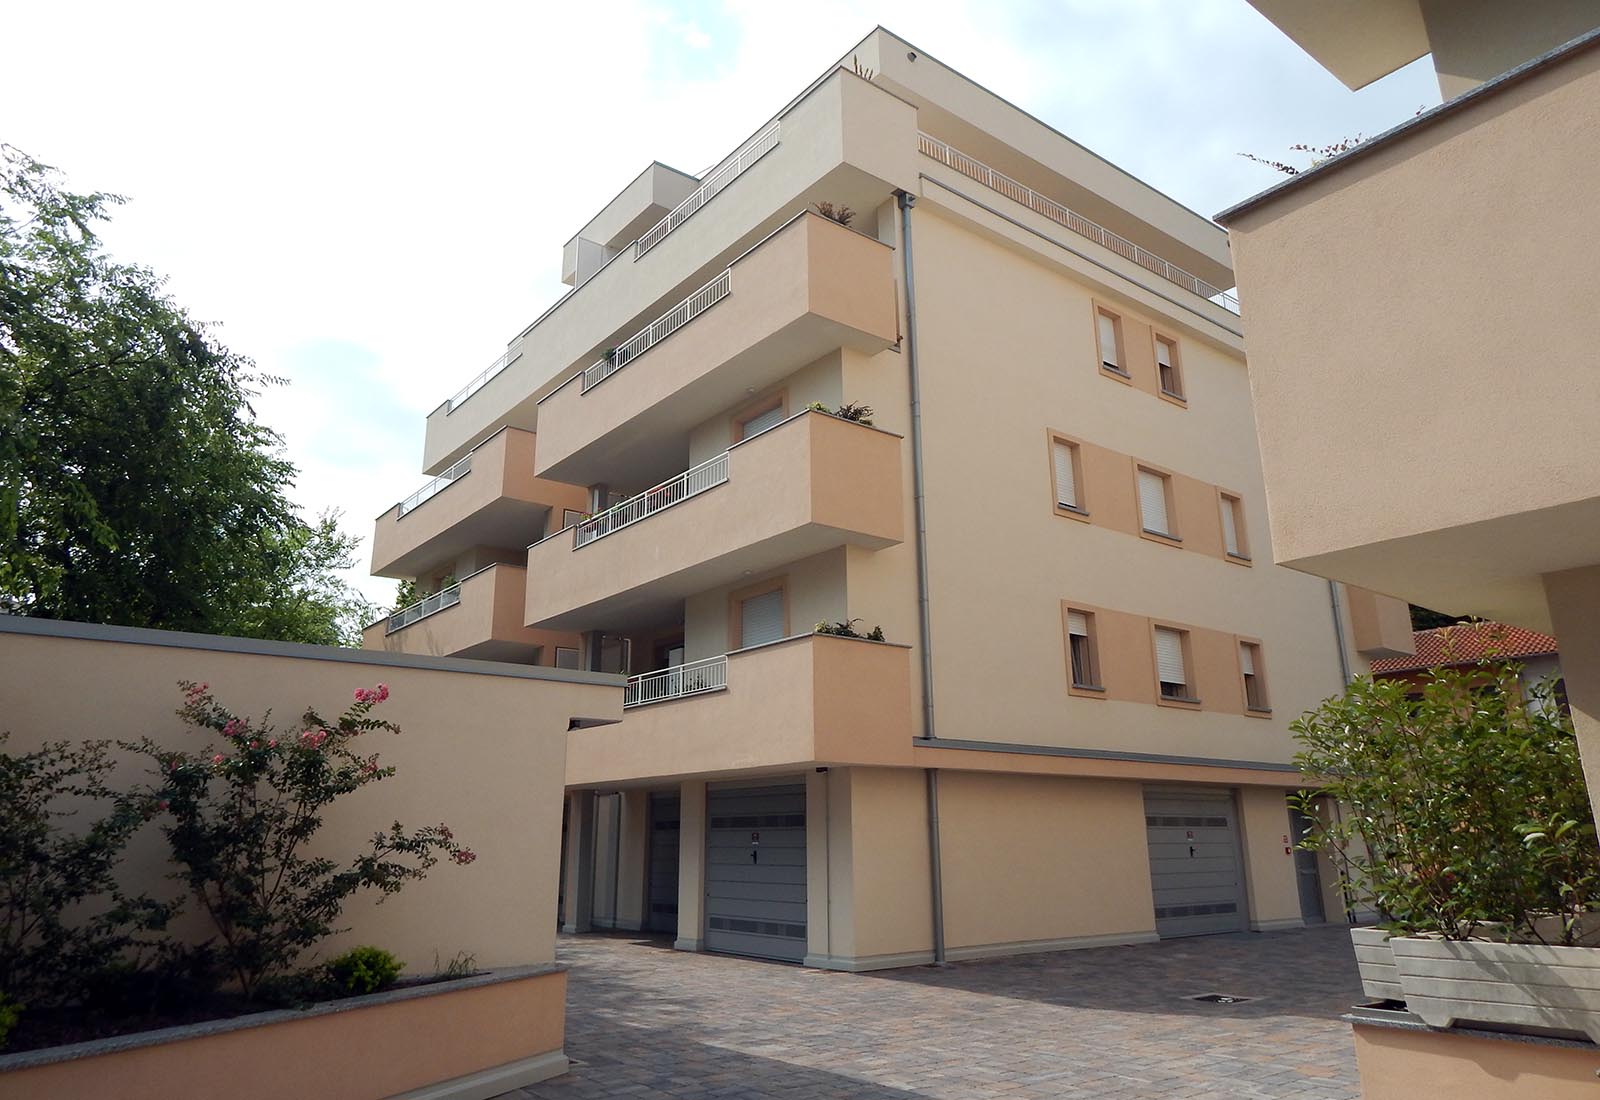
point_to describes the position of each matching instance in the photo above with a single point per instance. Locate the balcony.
(846, 140)
(488, 498)
(811, 287)
(812, 700)
(481, 617)
(809, 484)
(1422, 349)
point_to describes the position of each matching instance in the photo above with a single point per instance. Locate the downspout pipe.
(924, 622)
(1338, 633)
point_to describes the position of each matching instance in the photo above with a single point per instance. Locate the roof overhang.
(1358, 41)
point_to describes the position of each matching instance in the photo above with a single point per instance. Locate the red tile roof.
(1465, 643)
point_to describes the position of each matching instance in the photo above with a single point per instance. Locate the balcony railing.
(659, 329)
(437, 485)
(724, 174)
(1039, 204)
(694, 678)
(428, 605)
(511, 355)
(691, 482)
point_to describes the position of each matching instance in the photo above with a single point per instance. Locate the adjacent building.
(905, 463)
(1477, 644)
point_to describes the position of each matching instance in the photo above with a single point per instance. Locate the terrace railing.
(718, 178)
(1026, 196)
(694, 678)
(428, 605)
(659, 329)
(462, 467)
(692, 482)
(510, 355)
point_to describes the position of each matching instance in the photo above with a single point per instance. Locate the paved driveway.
(1111, 1023)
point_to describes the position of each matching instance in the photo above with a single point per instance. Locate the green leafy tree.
(136, 485)
(240, 815)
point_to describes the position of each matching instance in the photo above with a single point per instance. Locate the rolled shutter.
(1169, 656)
(1247, 660)
(758, 424)
(1066, 484)
(1163, 353)
(761, 618)
(1153, 502)
(1078, 624)
(1230, 529)
(1109, 352)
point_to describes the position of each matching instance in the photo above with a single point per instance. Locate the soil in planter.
(50, 1027)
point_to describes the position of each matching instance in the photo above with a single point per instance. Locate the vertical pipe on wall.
(1338, 633)
(924, 622)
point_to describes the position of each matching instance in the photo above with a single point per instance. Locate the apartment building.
(1059, 716)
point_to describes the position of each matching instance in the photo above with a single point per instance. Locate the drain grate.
(1220, 998)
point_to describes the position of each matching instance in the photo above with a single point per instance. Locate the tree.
(136, 485)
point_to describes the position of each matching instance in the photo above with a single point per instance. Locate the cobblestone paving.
(1108, 1023)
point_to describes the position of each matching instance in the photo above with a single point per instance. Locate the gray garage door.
(663, 893)
(756, 872)
(1194, 863)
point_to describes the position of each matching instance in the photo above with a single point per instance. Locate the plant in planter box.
(1462, 818)
(363, 970)
(240, 816)
(847, 629)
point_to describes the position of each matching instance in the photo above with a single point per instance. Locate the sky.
(370, 199)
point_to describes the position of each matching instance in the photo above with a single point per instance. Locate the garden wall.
(482, 749)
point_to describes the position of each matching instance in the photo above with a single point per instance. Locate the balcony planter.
(1375, 959)
(468, 1037)
(1447, 982)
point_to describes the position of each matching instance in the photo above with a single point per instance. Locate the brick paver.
(1109, 1023)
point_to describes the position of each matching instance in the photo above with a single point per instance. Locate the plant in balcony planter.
(847, 629)
(841, 214)
(239, 817)
(1461, 818)
(856, 414)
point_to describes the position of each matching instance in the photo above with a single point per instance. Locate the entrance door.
(756, 871)
(661, 897)
(1194, 863)
(1306, 872)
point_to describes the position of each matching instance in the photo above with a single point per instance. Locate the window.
(1255, 684)
(1167, 367)
(1233, 540)
(1081, 649)
(1067, 471)
(614, 654)
(567, 657)
(1155, 504)
(1109, 332)
(1170, 664)
(768, 413)
(762, 617)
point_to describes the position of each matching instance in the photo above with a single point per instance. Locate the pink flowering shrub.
(239, 817)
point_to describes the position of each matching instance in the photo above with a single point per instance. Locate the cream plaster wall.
(817, 381)
(1274, 893)
(1007, 351)
(815, 589)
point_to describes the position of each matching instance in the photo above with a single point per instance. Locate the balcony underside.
(502, 522)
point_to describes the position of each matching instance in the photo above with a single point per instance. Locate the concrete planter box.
(458, 1040)
(1380, 978)
(1446, 982)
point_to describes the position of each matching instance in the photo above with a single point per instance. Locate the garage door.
(1194, 863)
(756, 872)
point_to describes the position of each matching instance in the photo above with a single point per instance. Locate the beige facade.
(965, 786)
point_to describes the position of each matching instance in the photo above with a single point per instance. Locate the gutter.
(924, 621)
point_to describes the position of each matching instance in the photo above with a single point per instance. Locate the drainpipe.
(1338, 633)
(924, 623)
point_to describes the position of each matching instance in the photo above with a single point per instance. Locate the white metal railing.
(724, 174)
(695, 480)
(1039, 204)
(428, 605)
(462, 467)
(509, 356)
(659, 329)
(693, 678)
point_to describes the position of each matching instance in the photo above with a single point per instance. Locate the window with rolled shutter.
(567, 657)
(1255, 696)
(1169, 663)
(1110, 353)
(761, 618)
(1085, 669)
(1153, 503)
(1230, 526)
(762, 421)
(1167, 367)
(1065, 455)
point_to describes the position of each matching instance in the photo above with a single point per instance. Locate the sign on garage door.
(756, 871)
(1194, 863)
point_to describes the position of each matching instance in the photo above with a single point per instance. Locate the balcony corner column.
(578, 893)
(633, 857)
(691, 865)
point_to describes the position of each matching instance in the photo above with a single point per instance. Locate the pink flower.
(463, 856)
(217, 759)
(233, 728)
(312, 739)
(163, 805)
(383, 692)
(272, 744)
(255, 744)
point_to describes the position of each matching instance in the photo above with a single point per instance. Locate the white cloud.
(371, 198)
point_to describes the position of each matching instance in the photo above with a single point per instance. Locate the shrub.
(363, 970)
(856, 414)
(10, 1013)
(1462, 812)
(63, 918)
(847, 629)
(841, 214)
(239, 818)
